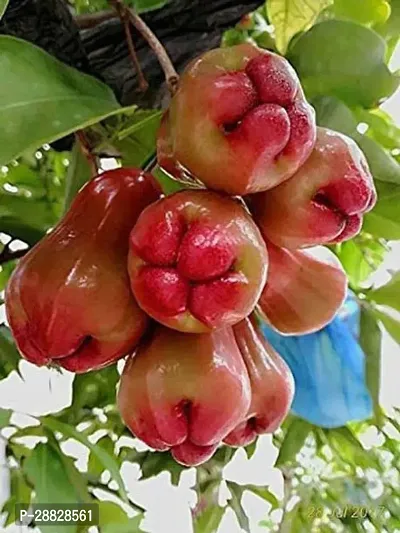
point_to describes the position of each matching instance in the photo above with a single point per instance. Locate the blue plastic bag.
(329, 370)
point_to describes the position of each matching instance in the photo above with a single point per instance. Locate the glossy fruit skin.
(184, 392)
(239, 122)
(197, 261)
(68, 301)
(323, 202)
(272, 385)
(304, 291)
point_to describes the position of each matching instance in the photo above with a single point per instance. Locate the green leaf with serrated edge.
(388, 294)
(391, 325)
(53, 101)
(265, 494)
(371, 343)
(353, 70)
(108, 460)
(3, 7)
(113, 519)
(5, 416)
(236, 505)
(293, 441)
(95, 466)
(363, 11)
(79, 172)
(9, 356)
(46, 471)
(292, 16)
(208, 520)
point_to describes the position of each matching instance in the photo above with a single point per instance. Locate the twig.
(158, 48)
(10, 255)
(87, 151)
(90, 20)
(123, 14)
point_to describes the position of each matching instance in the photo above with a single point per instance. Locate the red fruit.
(304, 291)
(185, 392)
(197, 261)
(239, 122)
(272, 385)
(324, 201)
(69, 299)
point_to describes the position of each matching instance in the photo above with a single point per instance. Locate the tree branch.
(91, 20)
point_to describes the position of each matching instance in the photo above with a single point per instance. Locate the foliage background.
(307, 476)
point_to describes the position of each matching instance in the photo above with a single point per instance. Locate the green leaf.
(349, 448)
(265, 494)
(136, 141)
(108, 460)
(3, 7)
(153, 463)
(383, 166)
(334, 114)
(143, 6)
(251, 449)
(94, 389)
(113, 519)
(53, 101)
(390, 30)
(236, 504)
(391, 325)
(381, 127)
(208, 521)
(294, 439)
(20, 492)
(363, 11)
(9, 356)
(292, 16)
(47, 472)
(79, 172)
(5, 416)
(360, 257)
(371, 343)
(95, 466)
(353, 70)
(388, 294)
(384, 220)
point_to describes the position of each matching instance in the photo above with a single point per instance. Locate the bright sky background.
(44, 391)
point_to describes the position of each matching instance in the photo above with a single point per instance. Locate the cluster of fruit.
(175, 282)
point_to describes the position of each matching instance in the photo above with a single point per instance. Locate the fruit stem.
(124, 16)
(158, 48)
(87, 151)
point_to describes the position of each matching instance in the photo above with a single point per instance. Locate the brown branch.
(87, 151)
(123, 14)
(90, 20)
(158, 48)
(10, 255)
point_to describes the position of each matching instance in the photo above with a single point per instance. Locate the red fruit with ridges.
(304, 291)
(170, 392)
(69, 300)
(197, 261)
(272, 385)
(323, 202)
(239, 122)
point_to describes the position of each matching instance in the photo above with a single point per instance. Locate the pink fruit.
(272, 385)
(185, 392)
(304, 291)
(324, 201)
(197, 261)
(239, 122)
(69, 300)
